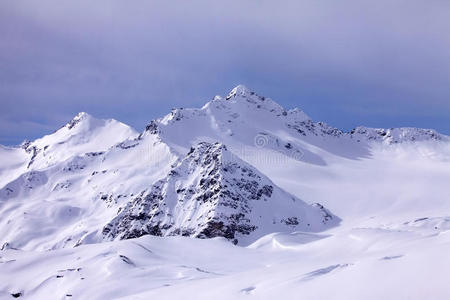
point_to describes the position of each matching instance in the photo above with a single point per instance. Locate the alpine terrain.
(238, 199)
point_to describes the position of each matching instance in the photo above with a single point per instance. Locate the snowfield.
(238, 199)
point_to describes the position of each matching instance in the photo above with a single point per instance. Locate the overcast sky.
(383, 63)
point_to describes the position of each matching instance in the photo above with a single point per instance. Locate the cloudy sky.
(378, 63)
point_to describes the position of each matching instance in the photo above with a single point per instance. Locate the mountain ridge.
(92, 168)
(241, 91)
(212, 193)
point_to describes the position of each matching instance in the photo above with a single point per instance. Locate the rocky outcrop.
(213, 193)
(396, 135)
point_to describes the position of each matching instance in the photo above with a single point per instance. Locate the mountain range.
(241, 170)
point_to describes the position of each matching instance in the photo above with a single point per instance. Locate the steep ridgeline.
(245, 119)
(213, 193)
(300, 122)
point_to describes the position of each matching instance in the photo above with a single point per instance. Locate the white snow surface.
(386, 190)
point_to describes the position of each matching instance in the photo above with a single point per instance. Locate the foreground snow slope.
(388, 187)
(362, 263)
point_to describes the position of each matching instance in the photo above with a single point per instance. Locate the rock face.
(213, 193)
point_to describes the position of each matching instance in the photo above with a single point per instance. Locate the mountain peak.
(81, 115)
(240, 90)
(77, 119)
(207, 195)
(84, 133)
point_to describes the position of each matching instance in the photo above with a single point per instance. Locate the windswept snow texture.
(240, 170)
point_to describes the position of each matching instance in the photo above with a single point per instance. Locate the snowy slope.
(13, 162)
(81, 135)
(213, 193)
(362, 263)
(345, 171)
(74, 193)
(385, 195)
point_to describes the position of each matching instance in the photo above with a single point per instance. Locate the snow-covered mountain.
(212, 193)
(290, 190)
(80, 135)
(70, 183)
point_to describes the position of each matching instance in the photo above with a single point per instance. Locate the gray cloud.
(379, 63)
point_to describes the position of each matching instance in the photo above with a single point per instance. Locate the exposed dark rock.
(216, 201)
(16, 295)
(152, 128)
